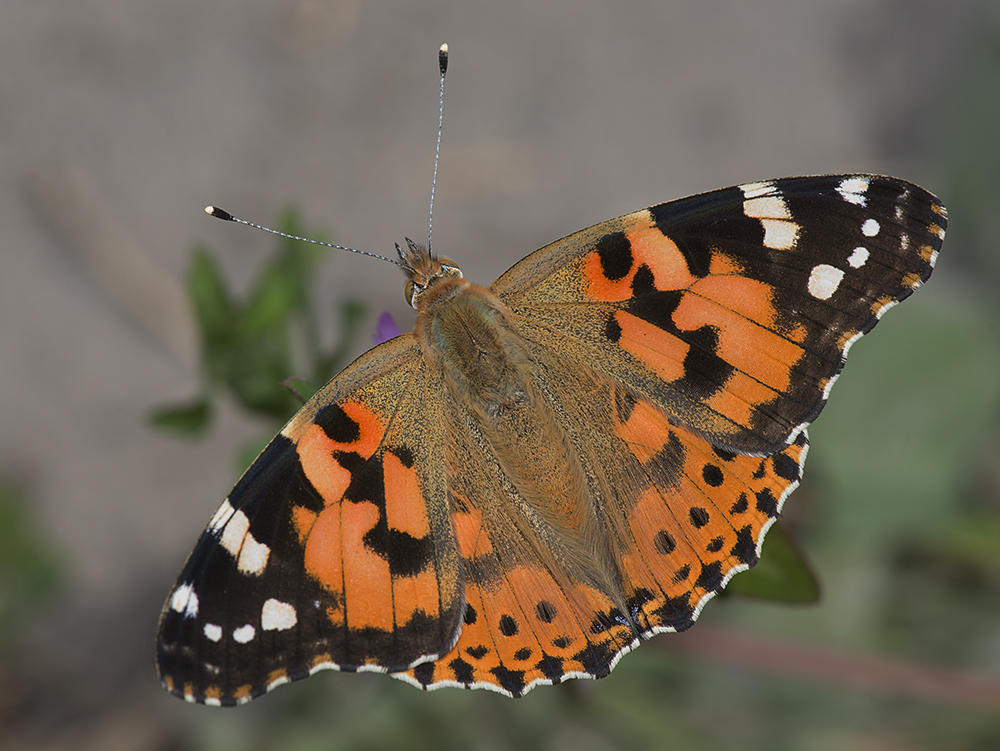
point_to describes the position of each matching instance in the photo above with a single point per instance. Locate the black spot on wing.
(767, 503)
(705, 372)
(664, 542)
(462, 670)
(545, 611)
(681, 574)
(424, 673)
(643, 283)
(657, 308)
(745, 551)
(352, 461)
(710, 578)
(511, 681)
(613, 330)
(406, 555)
(712, 475)
(508, 626)
(675, 613)
(551, 667)
(785, 467)
(699, 517)
(337, 424)
(615, 254)
(470, 615)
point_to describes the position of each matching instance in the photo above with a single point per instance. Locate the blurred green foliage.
(253, 348)
(30, 572)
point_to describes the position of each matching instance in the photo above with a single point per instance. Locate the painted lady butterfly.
(547, 471)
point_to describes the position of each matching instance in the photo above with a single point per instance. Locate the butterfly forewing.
(334, 550)
(733, 310)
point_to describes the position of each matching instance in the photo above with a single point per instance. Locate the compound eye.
(450, 265)
(409, 290)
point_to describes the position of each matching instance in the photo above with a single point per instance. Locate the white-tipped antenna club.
(443, 66)
(227, 217)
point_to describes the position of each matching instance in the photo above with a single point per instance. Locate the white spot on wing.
(185, 601)
(244, 634)
(853, 189)
(766, 207)
(212, 631)
(780, 235)
(779, 232)
(752, 190)
(253, 556)
(870, 228)
(277, 616)
(824, 280)
(221, 516)
(235, 530)
(858, 258)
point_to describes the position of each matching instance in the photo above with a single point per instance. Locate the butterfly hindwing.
(733, 310)
(334, 550)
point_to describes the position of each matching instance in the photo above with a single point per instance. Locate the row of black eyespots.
(513, 682)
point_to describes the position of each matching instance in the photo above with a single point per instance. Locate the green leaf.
(190, 419)
(214, 309)
(782, 574)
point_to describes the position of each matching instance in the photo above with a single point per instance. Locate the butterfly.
(550, 470)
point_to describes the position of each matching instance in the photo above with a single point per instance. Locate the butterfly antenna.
(227, 217)
(443, 65)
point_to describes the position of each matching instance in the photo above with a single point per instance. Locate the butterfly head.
(423, 271)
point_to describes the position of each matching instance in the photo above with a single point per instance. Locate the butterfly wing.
(733, 310)
(676, 519)
(335, 549)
